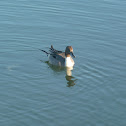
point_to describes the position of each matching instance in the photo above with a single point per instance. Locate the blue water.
(34, 93)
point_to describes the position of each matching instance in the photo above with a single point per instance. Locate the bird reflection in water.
(70, 79)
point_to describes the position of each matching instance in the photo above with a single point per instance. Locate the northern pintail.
(60, 58)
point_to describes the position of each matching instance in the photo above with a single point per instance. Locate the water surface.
(34, 93)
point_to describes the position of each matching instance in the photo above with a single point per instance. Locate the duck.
(60, 58)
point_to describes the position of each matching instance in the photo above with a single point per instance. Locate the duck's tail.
(44, 51)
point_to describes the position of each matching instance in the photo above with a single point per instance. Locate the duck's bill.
(72, 55)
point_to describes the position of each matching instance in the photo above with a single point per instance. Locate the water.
(34, 93)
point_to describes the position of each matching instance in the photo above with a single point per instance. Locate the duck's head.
(69, 51)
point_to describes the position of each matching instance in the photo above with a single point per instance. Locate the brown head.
(69, 51)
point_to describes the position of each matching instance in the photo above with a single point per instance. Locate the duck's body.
(60, 58)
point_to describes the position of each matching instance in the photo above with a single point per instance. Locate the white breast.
(69, 62)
